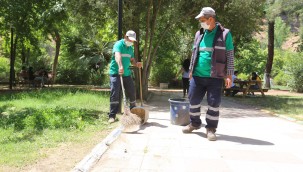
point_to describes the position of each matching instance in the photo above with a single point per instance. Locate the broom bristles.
(129, 119)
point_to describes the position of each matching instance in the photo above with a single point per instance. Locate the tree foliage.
(79, 34)
(281, 32)
(250, 58)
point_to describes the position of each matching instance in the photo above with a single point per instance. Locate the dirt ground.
(62, 158)
(281, 92)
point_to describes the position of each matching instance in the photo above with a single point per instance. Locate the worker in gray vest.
(212, 61)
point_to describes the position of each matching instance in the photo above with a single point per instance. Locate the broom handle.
(124, 98)
(141, 99)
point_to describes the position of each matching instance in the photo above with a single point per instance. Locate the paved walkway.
(248, 140)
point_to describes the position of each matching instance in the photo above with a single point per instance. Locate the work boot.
(111, 120)
(210, 133)
(189, 128)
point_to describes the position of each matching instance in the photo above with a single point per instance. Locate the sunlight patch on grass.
(291, 106)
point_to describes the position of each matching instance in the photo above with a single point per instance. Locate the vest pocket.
(221, 69)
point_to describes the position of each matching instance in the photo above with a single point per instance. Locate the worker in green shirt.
(122, 58)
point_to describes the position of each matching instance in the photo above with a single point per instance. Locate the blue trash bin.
(179, 111)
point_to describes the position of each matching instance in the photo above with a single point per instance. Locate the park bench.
(245, 87)
(22, 80)
(245, 92)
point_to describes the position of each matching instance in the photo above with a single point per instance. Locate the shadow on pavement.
(146, 125)
(243, 140)
(236, 139)
(152, 124)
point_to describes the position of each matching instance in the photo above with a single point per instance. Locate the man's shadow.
(237, 139)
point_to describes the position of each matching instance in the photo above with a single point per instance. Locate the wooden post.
(120, 14)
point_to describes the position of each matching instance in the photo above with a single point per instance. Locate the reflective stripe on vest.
(206, 49)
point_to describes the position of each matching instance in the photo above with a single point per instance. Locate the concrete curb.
(91, 159)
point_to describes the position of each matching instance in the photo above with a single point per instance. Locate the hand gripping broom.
(128, 119)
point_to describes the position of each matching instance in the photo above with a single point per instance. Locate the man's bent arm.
(118, 59)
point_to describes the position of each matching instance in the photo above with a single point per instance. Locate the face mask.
(204, 25)
(127, 43)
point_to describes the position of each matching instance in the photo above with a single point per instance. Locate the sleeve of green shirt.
(117, 47)
(229, 42)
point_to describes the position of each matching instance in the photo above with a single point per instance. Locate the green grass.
(41, 119)
(291, 106)
(280, 87)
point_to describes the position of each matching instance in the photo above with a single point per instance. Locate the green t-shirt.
(203, 67)
(127, 53)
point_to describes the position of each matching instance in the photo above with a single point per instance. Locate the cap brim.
(198, 16)
(132, 39)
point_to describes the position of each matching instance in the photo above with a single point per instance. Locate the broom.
(128, 119)
(141, 111)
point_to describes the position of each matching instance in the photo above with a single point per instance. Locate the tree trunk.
(12, 61)
(27, 56)
(23, 55)
(148, 51)
(270, 58)
(55, 64)
(144, 56)
(136, 25)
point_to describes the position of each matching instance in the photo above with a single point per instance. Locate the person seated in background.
(254, 77)
(41, 76)
(233, 85)
(23, 73)
(31, 76)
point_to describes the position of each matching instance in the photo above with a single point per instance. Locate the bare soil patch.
(62, 158)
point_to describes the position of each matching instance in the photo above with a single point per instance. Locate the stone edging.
(91, 159)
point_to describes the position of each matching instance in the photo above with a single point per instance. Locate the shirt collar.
(215, 29)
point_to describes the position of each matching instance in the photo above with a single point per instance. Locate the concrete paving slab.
(248, 140)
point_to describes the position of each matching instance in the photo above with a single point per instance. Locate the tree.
(21, 17)
(52, 23)
(281, 32)
(273, 10)
(164, 20)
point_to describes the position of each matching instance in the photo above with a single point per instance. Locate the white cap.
(206, 11)
(131, 35)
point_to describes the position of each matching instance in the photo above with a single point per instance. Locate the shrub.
(4, 68)
(163, 73)
(250, 58)
(281, 79)
(294, 67)
(243, 76)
